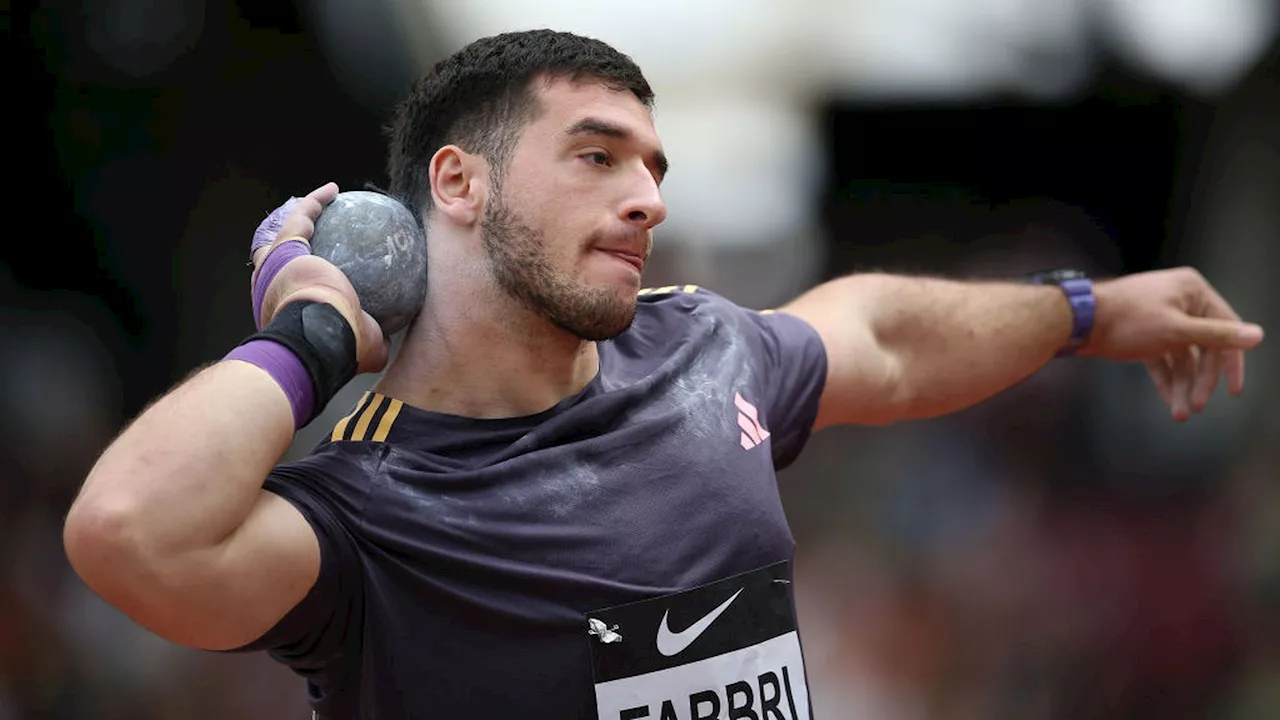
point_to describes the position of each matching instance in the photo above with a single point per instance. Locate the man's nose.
(645, 207)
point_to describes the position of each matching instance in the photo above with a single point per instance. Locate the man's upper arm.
(320, 626)
(281, 578)
(864, 381)
(260, 573)
(225, 595)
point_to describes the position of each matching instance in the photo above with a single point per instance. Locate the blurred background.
(1062, 551)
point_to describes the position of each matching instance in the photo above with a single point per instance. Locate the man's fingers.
(1206, 379)
(1229, 362)
(1162, 375)
(325, 193)
(300, 222)
(1184, 374)
(1233, 336)
(1215, 333)
(295, 228)
(268, 229)
(1233, 367)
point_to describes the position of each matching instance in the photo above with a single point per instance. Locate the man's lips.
(632, 258)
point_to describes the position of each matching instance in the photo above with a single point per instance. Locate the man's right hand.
(313, 278)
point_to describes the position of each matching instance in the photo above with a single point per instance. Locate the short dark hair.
(481, 97)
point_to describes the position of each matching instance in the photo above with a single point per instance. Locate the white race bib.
(728, 650)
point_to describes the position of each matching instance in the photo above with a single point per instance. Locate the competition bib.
(728, 650)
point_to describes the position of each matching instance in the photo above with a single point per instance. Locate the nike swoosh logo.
(670, 643)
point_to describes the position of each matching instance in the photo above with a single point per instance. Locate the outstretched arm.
(903, 348)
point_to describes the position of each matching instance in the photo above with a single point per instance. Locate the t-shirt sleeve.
(323, 629)
(790, 367)
(792, 361)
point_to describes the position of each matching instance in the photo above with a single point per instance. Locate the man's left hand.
(1180, 327)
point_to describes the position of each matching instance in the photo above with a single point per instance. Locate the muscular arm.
(903, 348)
(173, 527)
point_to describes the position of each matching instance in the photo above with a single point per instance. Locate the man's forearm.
(904, 348)
(959, 343)
(185, 474)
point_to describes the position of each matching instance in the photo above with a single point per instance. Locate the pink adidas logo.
(753, 433)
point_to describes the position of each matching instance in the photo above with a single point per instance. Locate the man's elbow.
(101, 542)
(895, 403)
(106, 542)
(107, 548)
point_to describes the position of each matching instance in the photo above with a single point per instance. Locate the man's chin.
(604, 323)
(599, 332)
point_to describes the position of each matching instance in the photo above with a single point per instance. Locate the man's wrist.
(286, 369)
(318, 358)
(1078, 291)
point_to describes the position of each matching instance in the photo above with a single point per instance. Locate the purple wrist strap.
(275, 261)
(1084, 306)
(268, 229)
(286, 369)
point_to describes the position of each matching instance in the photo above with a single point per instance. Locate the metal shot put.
(372, 238)
(559, 499)
(378, 244)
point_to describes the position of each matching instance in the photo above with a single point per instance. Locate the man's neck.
(487, 357)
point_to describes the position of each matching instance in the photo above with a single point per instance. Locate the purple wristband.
(269, 228)
(274, 263)
(286, 369)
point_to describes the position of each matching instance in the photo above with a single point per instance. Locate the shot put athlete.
(559, 500)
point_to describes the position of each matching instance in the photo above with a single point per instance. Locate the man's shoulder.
(676, 296)
(672, 315)
(676, 310)
(675, 328)
(671, 292)
(686, 301)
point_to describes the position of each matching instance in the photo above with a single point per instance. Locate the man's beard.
(518, 261)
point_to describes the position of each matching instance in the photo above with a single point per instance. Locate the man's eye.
(598, 158)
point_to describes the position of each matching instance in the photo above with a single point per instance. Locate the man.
(560, 500)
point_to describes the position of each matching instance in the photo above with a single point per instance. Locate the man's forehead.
(566, 102)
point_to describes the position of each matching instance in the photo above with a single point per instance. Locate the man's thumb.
(375, 347)
(1207, 332)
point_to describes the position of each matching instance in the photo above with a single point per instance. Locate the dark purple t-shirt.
(464, 561)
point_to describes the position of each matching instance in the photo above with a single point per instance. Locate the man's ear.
(459, 184)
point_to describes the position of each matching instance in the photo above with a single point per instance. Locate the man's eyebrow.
(596, 126)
